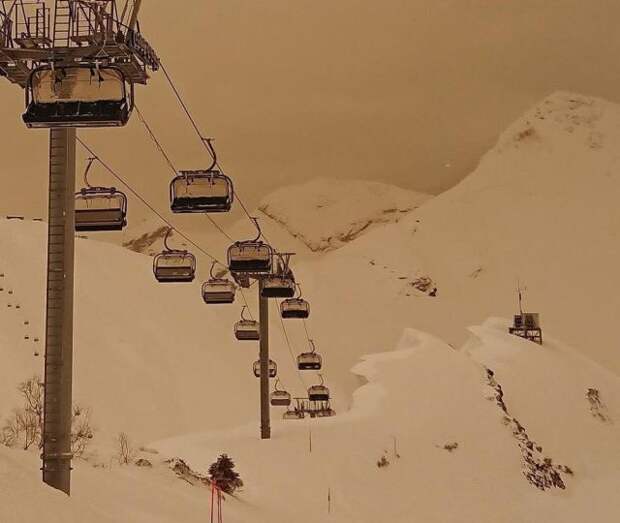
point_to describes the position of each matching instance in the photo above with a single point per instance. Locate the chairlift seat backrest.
(250, 257)
(174, 267)
(247, 330)
(275, 286)
(280, 398)
(273, 369)
(201, 191)
(292, 414)
(309, 361)
(218, 290)
(295, 308)
(100, 209)
(318, 393)
(77, 96)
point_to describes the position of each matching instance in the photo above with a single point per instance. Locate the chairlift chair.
(279, 398)
(295, 307)
(274, 286)
(174, 266)
(247, 330)
(250, 256)
(310, 360)
(318, 392)
(280, 284)
(273, 369)
(99, 208)
(218, 290)
(201, 191)
(293, 414)
(78, 95)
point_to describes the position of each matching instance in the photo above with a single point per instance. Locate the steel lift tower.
(78, 61)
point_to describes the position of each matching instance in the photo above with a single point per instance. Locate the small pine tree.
(224, 476)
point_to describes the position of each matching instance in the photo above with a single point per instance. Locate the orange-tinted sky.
(410, 92)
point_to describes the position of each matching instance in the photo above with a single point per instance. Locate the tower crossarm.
(73, 31)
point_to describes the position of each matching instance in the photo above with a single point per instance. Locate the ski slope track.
(475, 425)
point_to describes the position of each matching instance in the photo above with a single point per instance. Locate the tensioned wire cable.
(133, 191)
(172, 167)
(204, 143)
(107, 167)
(200, 135)
(290, 349)
(166, 157)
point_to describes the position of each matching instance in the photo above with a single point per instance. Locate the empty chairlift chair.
(99, 208)
(310, 360)
(201, 191)
(84, 95)
(273, 369)
(318, 392)
(218, 290)
(295, 307)
(250, 256)
(247, 330)
(293, 414)
(279, 398)
(174, 266)
(280, 284)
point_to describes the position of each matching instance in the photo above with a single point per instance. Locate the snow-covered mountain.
(475, 427)
(327, 213)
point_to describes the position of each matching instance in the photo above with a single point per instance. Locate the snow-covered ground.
(155, 362)
(435, 413)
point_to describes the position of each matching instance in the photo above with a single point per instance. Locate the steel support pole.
(57, 412)
(263, 311)
(134, 14)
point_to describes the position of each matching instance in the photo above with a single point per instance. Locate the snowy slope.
(156, 350)
(155, 362)
(427, 396)
(326, 213)
(541, 208)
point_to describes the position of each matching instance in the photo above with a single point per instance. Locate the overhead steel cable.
(166, 157)
(290, 350)
(174, 170)
(146, 203)
(157, 143)
(308, 337)
(203, 140)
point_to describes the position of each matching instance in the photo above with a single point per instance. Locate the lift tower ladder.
(63, 18)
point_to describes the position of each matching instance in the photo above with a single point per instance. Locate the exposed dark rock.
(538, 469)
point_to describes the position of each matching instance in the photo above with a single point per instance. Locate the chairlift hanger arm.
(91, 160)
(166, 246)
(258, 229)
(209, 143)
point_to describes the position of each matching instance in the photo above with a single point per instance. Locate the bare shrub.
(25, 425)
(126, 451)
(81, 431)
(383, 462)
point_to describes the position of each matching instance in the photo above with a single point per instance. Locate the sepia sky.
(410, 92)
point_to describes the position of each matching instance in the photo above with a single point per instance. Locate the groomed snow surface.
(457, 458)
(476, 425)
